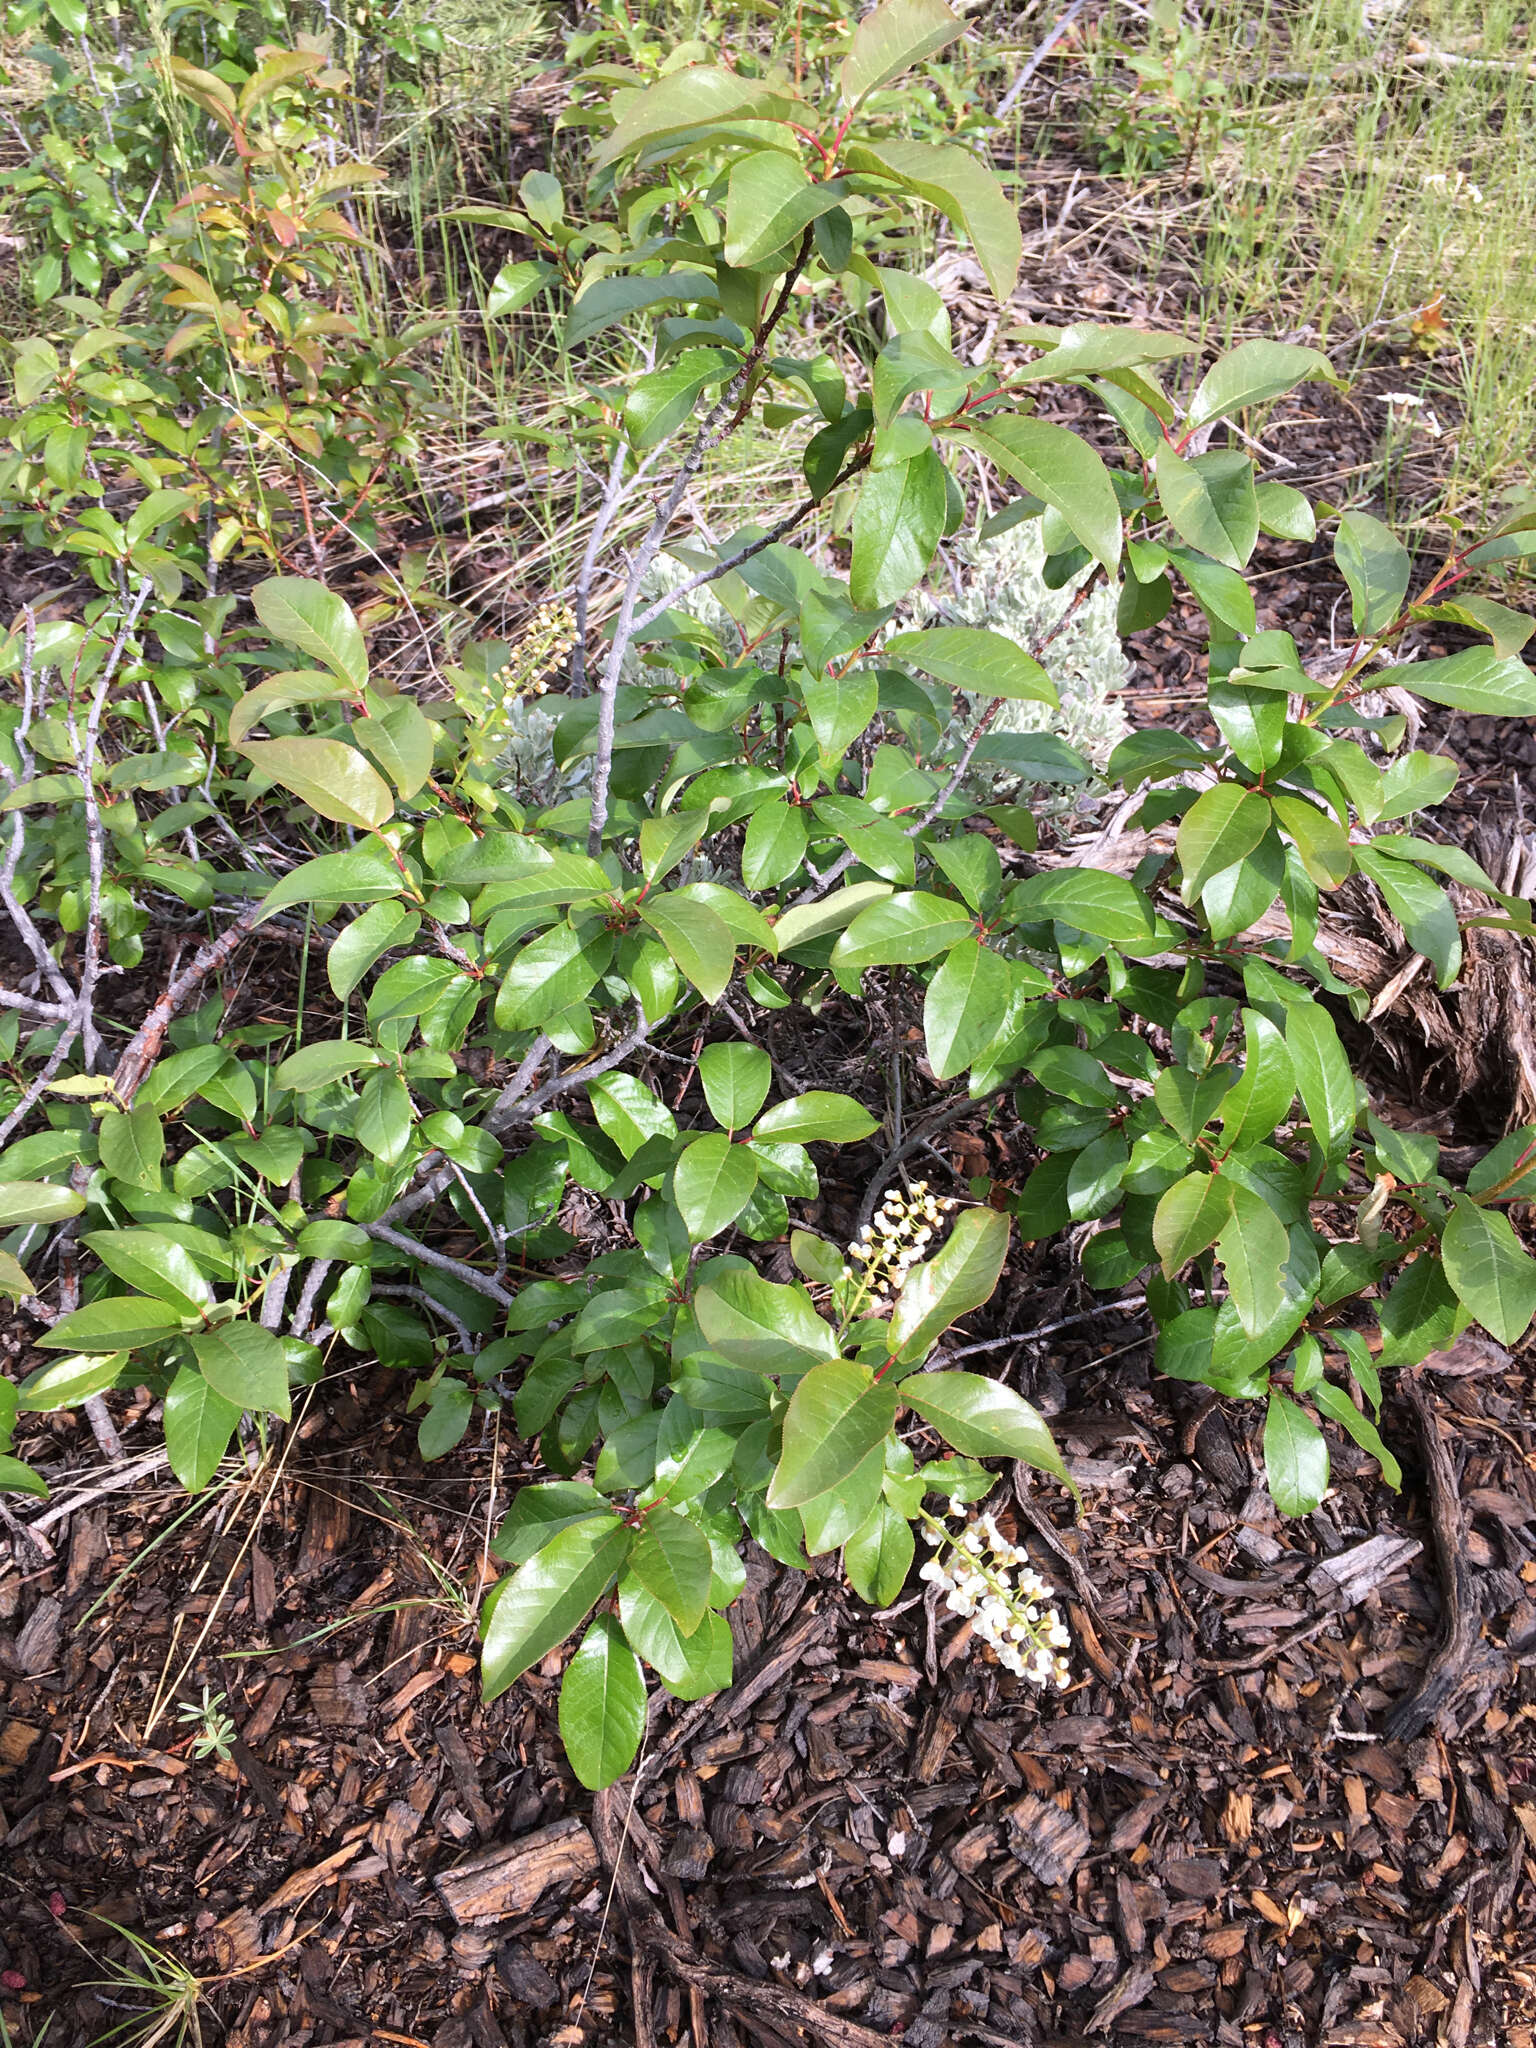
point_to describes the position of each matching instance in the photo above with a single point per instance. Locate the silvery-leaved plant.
(552, 1004)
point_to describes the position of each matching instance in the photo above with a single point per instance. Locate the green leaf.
(878, 1556)
(1321, 841)
(759, 1326)
(898, 517)
(975, 659)
(1508, 629)
(362, 876)
(544, 1599)
(132, 1145)
(962, 188)
(662, 400)
(712, 1184)
(894, 36)
(1492, 1273)
(444, 1419)
(613, 299)
(1053, 464)
(1421, 907)
(981, 1418)
(1189, 1218)
(1253, 1247)
(819, 1116)
(965, 1000)
(1336, 1403)
(698, 939)
(836, 1416)
(1419, 1314)
(549, 974)
(958, 1278)
(65, 1383)
(901, 930)
(671, 1559)
(316, 621)
(402, 739)
(602, 1705)
(1221, 827)
(1477, 679)
(1323, 1076)
(1295, 1457)
(152, 1264)
(120, 1322)
(1376, 566)
(1251, 373)
(691, 1667)
(697, 96)
(36, 1201)
(769, 204)
(1090, 900)
(799, 927)
(1210, 502)
(331, 777)
(1285, 512)
(1415, 782)
(775, 844)
(198, 1426)
(246, 1364)
(736, 1079)
(382, 1122)
(840, 709)
(1264, 1094)
(318, 1065)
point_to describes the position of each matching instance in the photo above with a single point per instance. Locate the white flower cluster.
(976, 1572)
(903, 1229)
(549, 639)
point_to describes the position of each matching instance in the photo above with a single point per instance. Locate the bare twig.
(143, 1048)
(456, 1269)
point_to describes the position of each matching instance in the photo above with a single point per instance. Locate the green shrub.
(741, 809)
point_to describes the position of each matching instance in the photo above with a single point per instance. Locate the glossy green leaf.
(152, 1264)
(959, 1277)
(1251, 373)
(119, 1322)
(964, 1001)
(602, 1705)
(1266, 1090)
(1477, 680)
(66, 1382)
(545, 1598)
(698, 939)
(981, 1418)
(1108, 906)
(1376, 566)
(898, 517)
(760, 1326)
(775, 844)
(1295, 1457)
(1222, 826)
(712, 1183)
(836, 1416)
(1053, 464)
(328, 1060)
(1323, 1077)
(974, 658)
(317, 622)
(37, 1201)
(819, 1116)
(1493, 1274)
(198, 1423)
(901, 930)
(736, 1079)
(769, 204)
(331, 777)
(246, 1364)
(890, 39)
(1189, 1218)
(1210, 502)
(671, 1559)
(690, 1667)
(361, 876)
(1253, 1247)
(960, 186)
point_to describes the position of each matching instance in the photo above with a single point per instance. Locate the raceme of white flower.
(902, 1233)
(989, 1580)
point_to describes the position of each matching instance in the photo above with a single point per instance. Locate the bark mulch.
(1291, 1798)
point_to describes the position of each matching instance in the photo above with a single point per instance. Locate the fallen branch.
(1458, 1589)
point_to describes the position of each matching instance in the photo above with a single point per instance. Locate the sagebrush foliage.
(742, 808)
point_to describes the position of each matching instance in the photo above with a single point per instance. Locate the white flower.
(821, 1966)
(896, 1843)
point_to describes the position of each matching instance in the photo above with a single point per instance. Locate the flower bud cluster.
(549, 639)
(902, 1233)
(989, 1580)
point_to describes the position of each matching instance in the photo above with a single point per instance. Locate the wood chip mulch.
(1225, 1832)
